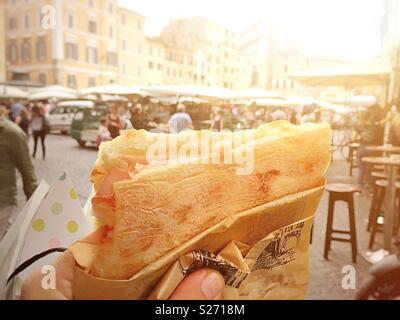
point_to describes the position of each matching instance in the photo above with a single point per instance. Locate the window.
(40, 49)
(71, 81)
(91, 3)
(112, 58)
(123, 44)
(26, 21)
(110, 32)
(150, 50)
(151, 65)
(26, 50)
(71, 21)
(180, 73)
(159, 67)
(285, 68)
(91, 55)
(71, 51)
(92, 26)
(124, 68)
(139, 25)
(42, 78)
(110, 6)
(139, 71)
(13, 51)
(42, 22)
(123, 20)
(12, 23)
(91, 81)
(140, 49)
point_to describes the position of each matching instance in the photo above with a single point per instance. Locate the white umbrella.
(347, 75)
(53, 88)
(45, 95)
(112, 89)
(113, 98)
(360, 101)
(175, 100)
(340, 109)
(301, 101)
(11, 92)
(190, 91)
(271, 102)
(255, 93)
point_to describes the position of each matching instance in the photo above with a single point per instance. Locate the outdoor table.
(392, 165)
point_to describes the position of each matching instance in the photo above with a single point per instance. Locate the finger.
(204, 284)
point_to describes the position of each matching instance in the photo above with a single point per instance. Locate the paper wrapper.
(262, 254)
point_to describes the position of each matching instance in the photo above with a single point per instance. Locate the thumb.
(203, 284)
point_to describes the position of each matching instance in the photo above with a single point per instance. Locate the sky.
(342, 29)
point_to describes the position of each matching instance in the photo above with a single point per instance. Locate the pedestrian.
(103, 134)
(293, 117)
(139, 117)
(23, 120)
(114, 121)
(279, 114)
(16, 107)
(40, 128)
(217, 123)
(180, 121)
(14, 155)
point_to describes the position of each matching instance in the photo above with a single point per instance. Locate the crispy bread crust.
(164, 206)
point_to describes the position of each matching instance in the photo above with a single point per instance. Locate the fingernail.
(212, 285)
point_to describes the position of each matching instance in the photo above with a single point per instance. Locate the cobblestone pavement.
(325, 276)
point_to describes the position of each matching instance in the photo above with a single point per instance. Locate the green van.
(86, 123)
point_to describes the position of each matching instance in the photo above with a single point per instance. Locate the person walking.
(217, 122)
(115, 124)
(180, 121)
(40, 128)
(139, 117)
(15, 109)
(23, 121)
(14, 155)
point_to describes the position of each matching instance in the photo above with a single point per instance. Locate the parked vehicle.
(61, 116)
(85, 124)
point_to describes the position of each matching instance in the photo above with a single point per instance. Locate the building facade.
(87, 43)
(132, 47)
(71, 43)
(203, 53)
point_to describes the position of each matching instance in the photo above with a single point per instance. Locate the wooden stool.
(376, 208)
(352, 155)
(341, 192)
